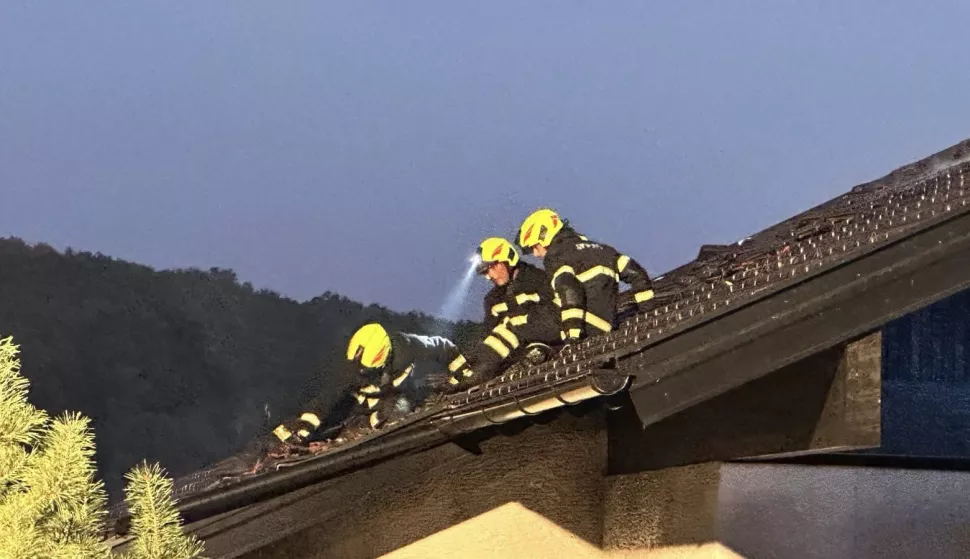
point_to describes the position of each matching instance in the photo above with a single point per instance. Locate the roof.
(715, 307)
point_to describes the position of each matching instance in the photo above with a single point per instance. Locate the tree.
(51, 504)
(155, 520)
(173, 364)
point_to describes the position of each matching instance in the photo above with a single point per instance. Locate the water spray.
(458, 294)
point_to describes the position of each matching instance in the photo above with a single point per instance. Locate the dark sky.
(366, 148)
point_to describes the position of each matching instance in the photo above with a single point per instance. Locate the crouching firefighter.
(520, 316)
(394, 369)
(585, 274)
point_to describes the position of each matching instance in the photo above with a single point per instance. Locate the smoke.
(456, 297)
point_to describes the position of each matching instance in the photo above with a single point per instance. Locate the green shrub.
(52, 505)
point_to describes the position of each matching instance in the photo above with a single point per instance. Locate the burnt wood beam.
(846, 302)
(829, 401)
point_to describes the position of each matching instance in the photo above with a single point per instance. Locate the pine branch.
(156, 524)
(51, 505)
(20, 422)
(13, 460)
(65, 500)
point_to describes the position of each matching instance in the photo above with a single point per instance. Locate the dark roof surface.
(720, 280)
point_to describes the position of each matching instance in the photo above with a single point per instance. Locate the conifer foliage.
(51, 503)
(156, 524)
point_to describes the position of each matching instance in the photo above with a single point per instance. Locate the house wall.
(553, 500)
(673, 507)
(926, 380)
(558, 483)
(775, 510)
(931, 344)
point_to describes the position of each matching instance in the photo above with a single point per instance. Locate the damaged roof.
(721, 280)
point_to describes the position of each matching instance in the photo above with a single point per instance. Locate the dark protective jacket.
(395, 388)
(516, 314)
(496, 307)
(585, 276)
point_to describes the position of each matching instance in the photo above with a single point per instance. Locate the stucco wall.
(670, 507)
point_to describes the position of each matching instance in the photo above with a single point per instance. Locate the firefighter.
(520, 316)
(393, 369)
(585, 274)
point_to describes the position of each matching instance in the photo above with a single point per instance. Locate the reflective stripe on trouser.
(601, 298)
(383, 411)
(459, 369)
(573, 318)
(487, 358)
(572, 322)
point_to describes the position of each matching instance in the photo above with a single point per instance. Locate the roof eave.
(832, 308)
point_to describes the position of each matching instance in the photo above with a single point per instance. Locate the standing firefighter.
(585, 274)
(520, 315)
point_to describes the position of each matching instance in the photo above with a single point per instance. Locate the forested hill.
(178, 366)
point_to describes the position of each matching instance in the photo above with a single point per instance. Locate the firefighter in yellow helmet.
(585, 274)
(520, 317)
(393, 368)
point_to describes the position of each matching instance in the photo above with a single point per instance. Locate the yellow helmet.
(539, 228)
(369, 346)
(496, 249)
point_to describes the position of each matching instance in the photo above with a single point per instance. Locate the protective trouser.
(504, 343)
(381, 411)
(319, 415)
